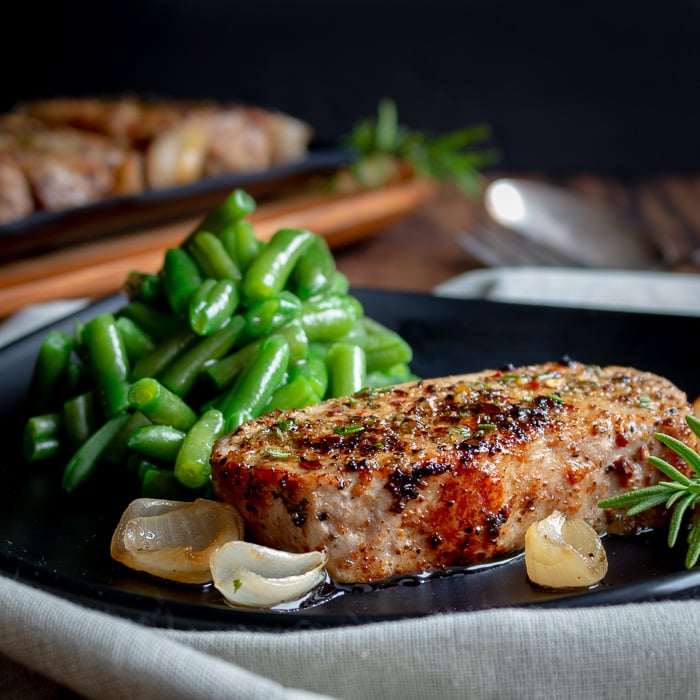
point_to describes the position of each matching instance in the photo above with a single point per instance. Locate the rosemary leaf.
(693, 553)
(632, 498)
(650, 502)
(694, 424)
(689, 455)
(673, 498)
(669, 470)
(677, 518)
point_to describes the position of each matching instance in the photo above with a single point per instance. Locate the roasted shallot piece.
(174, 539)
(249, 575)
(563, 552)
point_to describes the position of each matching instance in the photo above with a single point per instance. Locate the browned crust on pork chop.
(449, 472)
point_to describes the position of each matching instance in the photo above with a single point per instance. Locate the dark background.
(606, 86)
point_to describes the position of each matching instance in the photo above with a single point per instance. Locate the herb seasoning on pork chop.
(450, 472)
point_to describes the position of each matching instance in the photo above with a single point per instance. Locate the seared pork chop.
(448, 472)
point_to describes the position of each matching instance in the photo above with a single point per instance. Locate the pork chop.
(443, 473)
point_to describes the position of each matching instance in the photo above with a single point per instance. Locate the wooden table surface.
(402, 238)
(420, 251)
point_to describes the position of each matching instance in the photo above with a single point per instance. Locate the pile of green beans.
(230, 328)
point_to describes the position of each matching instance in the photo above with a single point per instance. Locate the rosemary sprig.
(383, 143)
(680, 493)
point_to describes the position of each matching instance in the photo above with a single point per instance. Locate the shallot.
(174, 539)
(563, 552)
(251, 575)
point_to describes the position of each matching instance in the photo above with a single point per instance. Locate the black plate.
(61, 542)
(47, 230)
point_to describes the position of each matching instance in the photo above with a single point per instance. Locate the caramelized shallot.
(250, 575)
(563, 552)
(174, 540)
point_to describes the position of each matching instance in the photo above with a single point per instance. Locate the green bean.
(393, 375)
(314, 272)
(222, 373)
(314, 369)
(160, 324)
(371, 326)
(296, 393)
(46, 423)
(50, 370)
(339, 284)
(78, 345)
(42, 447)
(330, 318)
(136, 341)
(182, 373)
(236, 206)
(241, 243)
(384, 350)
(230, 327)
(346, 369)
(212, 305)
(356, 331)
(117, 450)
(158, 483)
(256, 383)
(161, 405)
(87, 457)
(156, 361)
(192, 467)
(269, 271)
(42, 436)
(212, 258)
(109, 363)
(267, 315)
(157, 441)
(79, 417)
(141, 286)
(137, 463)
(77, 378)
(181, 279)
(296, 338)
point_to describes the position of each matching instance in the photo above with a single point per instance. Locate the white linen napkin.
(641, 651)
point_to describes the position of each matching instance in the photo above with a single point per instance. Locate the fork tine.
(495, 245)
(482, 251)
(492, 249)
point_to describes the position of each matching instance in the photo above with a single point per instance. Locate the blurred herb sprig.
(383, 144)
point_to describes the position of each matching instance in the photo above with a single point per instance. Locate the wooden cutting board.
(98, 268)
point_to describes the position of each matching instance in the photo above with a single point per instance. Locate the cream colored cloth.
(636, 651)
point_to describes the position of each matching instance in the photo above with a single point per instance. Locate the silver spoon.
(586, 233)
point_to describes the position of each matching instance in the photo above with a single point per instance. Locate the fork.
(496, 246)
